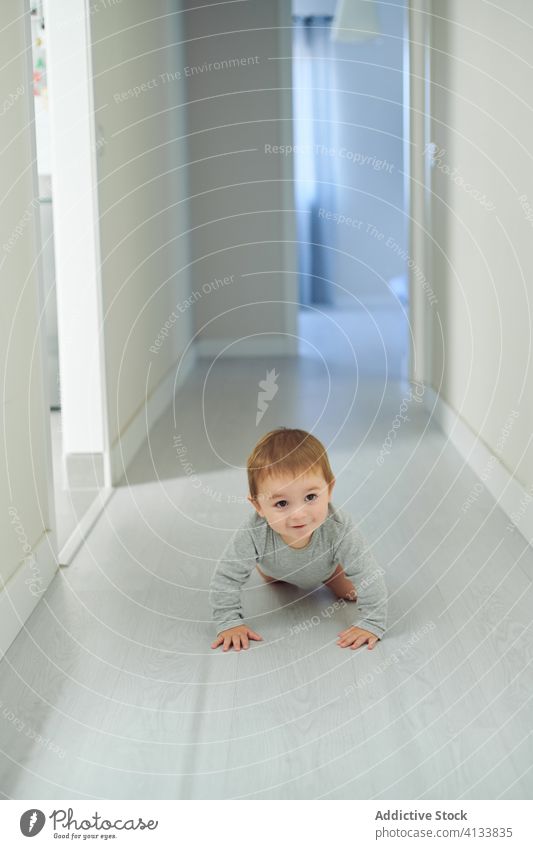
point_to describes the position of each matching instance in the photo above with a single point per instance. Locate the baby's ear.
(254, 503)
(330, 488)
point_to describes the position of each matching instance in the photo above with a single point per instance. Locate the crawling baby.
(294, 534)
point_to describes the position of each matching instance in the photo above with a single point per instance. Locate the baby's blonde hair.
(286, 451)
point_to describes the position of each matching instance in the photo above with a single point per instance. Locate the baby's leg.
(341, 585)
(268, 577)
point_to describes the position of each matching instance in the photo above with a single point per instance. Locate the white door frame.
(36, 234)
(80, 19)
(417, 165)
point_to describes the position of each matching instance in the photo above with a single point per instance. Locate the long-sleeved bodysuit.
(336, 540)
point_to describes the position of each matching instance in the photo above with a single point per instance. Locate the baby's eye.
(281, 504)
(312, 495)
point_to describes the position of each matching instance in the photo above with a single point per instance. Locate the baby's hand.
(355, 637)
(236, 635)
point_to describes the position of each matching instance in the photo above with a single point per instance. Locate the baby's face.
(294, 507)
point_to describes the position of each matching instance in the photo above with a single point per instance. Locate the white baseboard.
(84, 471)
(512, 497)
(253, 346)
(24, 589)
(84, 526)
(126, 446)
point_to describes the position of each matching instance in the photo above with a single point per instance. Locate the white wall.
(142, 196)
(238, 191)
(482, 270)
(26, 543)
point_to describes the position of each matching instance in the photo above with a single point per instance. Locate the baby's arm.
(366, 575)
(232, 571)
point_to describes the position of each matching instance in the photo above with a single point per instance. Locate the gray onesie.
(337, 540)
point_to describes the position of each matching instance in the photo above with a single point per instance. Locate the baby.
(296, 536)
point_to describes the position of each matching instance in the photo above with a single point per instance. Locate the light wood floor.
(114, 668)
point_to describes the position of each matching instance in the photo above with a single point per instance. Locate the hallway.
(114, 671)
(247, 215)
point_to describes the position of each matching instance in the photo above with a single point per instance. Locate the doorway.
(350, 131)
